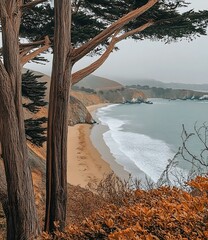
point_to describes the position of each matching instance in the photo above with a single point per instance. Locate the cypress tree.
(35, 92)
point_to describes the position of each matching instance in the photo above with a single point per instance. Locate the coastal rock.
(123, 95)
(88, 98)
(78, 113)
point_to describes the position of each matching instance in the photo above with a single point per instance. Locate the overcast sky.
(175, 62)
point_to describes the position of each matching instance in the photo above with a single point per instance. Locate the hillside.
(163, 213)
(98, 83)
(160, 84)
(169, 93)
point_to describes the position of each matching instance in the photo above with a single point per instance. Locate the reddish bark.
(56, 179)
(21, 214)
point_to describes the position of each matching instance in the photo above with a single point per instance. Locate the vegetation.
(83, 89)
(118, 20)
(34, 131)
(34, 90)
(169, 93)
(162, 213)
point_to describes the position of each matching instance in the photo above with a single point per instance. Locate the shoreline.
(99, 143)
(86, 164)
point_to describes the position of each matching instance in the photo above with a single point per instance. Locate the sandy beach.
(85, 163)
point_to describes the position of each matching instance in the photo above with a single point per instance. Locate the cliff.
(122, 95)
(169, 93)
(78, 113)
(106, 90)
(88, 98)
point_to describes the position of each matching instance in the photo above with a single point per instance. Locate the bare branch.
(184, 150)
(34, 44)
(87, 47)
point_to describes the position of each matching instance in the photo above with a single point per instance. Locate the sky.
(183, 61)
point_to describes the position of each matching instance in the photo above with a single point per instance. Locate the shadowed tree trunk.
(21, 215)
(56, 180)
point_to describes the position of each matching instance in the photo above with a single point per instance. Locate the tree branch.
(136, 30)
(33, 3)
(34, 44)
(90, 45)
(25, 58)
(79, 75)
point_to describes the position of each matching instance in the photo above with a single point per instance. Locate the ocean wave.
(149, 155)
(136, 152)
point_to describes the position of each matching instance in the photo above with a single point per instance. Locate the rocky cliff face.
(122, 95)
(78, 113)
(88, 98)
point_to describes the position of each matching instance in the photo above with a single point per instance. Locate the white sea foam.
(144, 137)
(135, 152)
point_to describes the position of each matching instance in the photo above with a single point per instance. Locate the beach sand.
(85, 164)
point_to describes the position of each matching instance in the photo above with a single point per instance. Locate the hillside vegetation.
(169, 93)
(164, 213)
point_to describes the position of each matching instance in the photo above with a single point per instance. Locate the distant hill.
(170, 93)
(98, 83)
(160, 84)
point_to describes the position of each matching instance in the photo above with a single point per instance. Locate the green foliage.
(90, 17)
(83, 89)
(33, 90)
(34, 131)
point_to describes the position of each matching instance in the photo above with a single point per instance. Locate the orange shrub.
(163, 213)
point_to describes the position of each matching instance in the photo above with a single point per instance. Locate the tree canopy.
(166, 21)
(169, 21)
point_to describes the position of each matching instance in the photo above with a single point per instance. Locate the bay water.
(144, 137)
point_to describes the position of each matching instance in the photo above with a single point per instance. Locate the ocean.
(142, 138)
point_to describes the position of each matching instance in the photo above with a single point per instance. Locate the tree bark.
(22, 221)
(56, 173)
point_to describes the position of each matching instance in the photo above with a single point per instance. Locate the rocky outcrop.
(88, 98)
(123, 95)
(78, 113)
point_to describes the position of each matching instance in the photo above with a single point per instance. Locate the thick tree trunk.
(56, 176)
(21, 216)
(22, 221)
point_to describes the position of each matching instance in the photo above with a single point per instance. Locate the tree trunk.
(56, 173)
(21, 216)
(22, 221)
